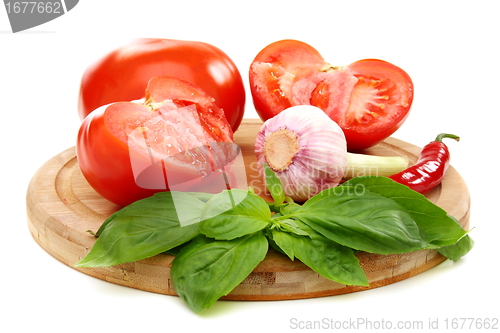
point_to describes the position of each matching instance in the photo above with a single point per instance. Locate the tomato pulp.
(130, 150)
(122, 74)
(369, 99)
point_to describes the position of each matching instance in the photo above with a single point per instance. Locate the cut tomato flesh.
(176, 124)
(166, 132)
(170, 131)
(277, 82)
(354, 101)
(368, 101)
(211, 117)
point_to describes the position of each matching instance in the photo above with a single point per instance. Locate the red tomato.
(122, 74)
(128, 151)
(369, 99)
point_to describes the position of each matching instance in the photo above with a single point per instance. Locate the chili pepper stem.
(430, 168)
(371, 165)
(441, 136)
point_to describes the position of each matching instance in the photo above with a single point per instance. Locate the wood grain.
(61, 207)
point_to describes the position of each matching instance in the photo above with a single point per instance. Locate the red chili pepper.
(430, 168)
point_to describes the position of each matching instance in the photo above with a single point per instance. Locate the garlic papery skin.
(305, 148)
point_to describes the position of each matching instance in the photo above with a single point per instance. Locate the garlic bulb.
(305, 148)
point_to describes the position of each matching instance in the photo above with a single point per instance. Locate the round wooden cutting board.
(61, 207)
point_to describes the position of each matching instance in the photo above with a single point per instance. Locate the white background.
(449, 48)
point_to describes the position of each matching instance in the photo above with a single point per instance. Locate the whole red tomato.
(122, 74)
(369, 99)
(130, 150)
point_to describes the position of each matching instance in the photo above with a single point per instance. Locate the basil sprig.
(223, 237)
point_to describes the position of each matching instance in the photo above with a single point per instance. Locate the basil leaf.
(322, 255)
(274, 186)
(104, 224)
(288, 225)
(207, 269)
(143, 229)
(288, 208)
(361, 220)
(436, 226)
(234, 213)
(457, 250)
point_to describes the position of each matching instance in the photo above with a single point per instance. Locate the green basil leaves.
(219, 239)
(366, 221)
(224, 221)
(143, 229)
(206, 270)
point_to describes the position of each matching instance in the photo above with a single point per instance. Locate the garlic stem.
(371, 165)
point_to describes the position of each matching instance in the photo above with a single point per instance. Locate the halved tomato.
(130, 150)
(369, 99)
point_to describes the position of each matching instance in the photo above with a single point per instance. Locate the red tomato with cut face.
(122, 74)
(130, 150)
(369, 99)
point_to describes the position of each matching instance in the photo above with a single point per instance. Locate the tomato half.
(130, 150)
(122, 74)
(369, 99)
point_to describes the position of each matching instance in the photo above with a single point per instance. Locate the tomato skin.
(107, 161)
(370, 99)
(122, 74)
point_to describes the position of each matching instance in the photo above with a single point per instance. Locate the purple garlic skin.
(305, 148)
